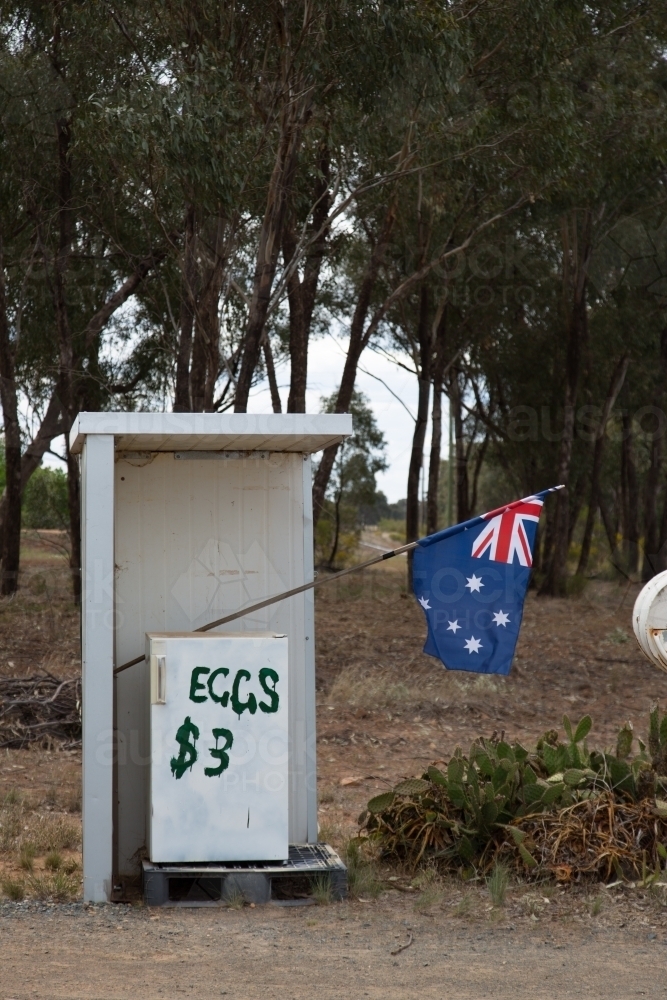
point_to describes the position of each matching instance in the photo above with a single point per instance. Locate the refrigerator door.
(218, 723)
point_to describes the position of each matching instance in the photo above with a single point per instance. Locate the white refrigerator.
(218, 785)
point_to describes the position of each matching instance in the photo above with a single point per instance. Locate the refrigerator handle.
(159, 679)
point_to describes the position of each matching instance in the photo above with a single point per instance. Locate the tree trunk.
(66, 360)
(660, 559)
(615, 386)
(575, 276)
(575, 505)
(53, 423)
(537, 556)
(182, 402)
(412, 518)
(270, 241)
(609, 528)
(651, 526)
(336, 538)
(548, 542)
(271, 375)
(432, 511)
(301, 293)
(477, 468)
(630, 497)
(358, 341)
(206, 343)
(10, 553)
(50, 427)
(74, 498)
(460, 457)
(650, 508)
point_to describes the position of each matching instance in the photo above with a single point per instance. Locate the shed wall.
(196, 538)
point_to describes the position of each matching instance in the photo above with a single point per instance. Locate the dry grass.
(31, 852)
(432, 888)
(382, 690)
(598, 838)
(362, 872)
(372, 692)
(39, 625)
(321, 890)
(61, 887)
(497, 883)
(53, 861)
(13, 889)
(27, 857)
(53, 833)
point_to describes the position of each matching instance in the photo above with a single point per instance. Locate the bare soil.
(339, 951)
(385, 711)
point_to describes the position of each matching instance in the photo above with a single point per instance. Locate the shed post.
(97, 642)
(309, 623)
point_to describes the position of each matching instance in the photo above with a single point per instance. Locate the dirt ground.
(339, 951)
(385, 711)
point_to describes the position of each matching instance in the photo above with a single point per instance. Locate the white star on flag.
(474, 582)
(424, 603)
(454, 626)
(501, 618)
(473, 645)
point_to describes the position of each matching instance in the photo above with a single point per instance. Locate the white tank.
(649, 620)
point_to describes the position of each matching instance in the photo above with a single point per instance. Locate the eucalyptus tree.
(589, 137)
(73, 252)
(474, 157)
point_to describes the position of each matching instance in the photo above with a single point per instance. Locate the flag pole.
(455, 529)
(287, 593)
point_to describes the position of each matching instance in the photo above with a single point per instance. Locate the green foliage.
(321, 889)
(45, 500)
(352, 484)
(414, 125)
(497, 883)
(459, 815)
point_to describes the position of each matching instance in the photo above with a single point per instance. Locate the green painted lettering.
(180, 764)
(240, 706)
(219, 753)
(272, 693)
(195, 684)
(222, 699)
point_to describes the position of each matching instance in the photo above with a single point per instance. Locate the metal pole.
(440, 535)
(450, 468)
(288, 593)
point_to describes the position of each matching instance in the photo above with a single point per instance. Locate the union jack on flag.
(504, 537)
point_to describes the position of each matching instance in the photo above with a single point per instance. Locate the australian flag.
(471, 580)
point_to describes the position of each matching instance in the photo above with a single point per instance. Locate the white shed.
(186, 516)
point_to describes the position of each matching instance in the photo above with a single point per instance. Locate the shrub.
(53, 861)
(13, 889)
(490, 800)
(45, 500)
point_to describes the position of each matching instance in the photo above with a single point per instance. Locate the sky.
(393, 400)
